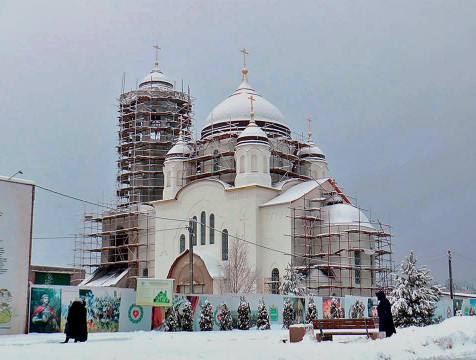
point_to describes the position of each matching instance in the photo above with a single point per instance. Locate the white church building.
(246, 180)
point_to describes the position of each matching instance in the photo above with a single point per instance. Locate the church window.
(242, 164)
(212, 229)
(224, 245)
(203, 220)
(182, 243)
(216, 160)
(357, 264)
(275, 281)
(254, 163)
(193, 234)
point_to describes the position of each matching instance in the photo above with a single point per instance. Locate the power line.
(465, 257)
(73, 197)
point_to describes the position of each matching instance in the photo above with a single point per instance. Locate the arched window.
(182, 243)
(224, 245)
(216, 160)
(203, 220)
(254, 163)
(193, 234)
(212, 229)
(169, 175)
(275, 281)
(242, 164)
(357, 264)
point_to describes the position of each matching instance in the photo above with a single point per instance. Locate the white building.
(247, 180)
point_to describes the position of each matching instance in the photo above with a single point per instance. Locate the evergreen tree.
(262, 323)
(244, 314)
(414, 297)
(335, 309)
(288, 314)
(171, 320)
(187, 316)
(206, 317)
(292, 282)
(311, 313)
(357, 310)
(226, 322)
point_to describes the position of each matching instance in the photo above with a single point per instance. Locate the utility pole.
(451, 282)
(191, 236)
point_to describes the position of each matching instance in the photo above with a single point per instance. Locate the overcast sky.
(390, 85)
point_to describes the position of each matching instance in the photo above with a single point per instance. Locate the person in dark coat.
(384, 310)
(76, 326)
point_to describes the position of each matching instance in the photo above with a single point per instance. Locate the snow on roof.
(156, 78)
(296, 192)
(344, 214)
(109, 278)
(16, 180)
(213, 266)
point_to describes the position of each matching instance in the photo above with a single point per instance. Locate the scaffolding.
(150, 119)
(339, 259)
(117, 240)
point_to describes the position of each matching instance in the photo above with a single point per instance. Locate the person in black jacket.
(76, 326)
(384, 310)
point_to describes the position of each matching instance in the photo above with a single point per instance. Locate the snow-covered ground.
(455, 338)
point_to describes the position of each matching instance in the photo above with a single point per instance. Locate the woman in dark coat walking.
(76, 327)
(384, 310)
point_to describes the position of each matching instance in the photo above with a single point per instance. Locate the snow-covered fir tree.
(288, 314)
(292, 280)
(335, 309)
(357, 310)
(262, 323)
(226, 321)
(171, 320)
(414, 297)
(187, 317)
(244, 314)
(206, 317)
(311, 313)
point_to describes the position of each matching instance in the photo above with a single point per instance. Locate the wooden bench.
(326, 328)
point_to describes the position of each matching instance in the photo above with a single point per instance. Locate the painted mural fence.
(115, 309)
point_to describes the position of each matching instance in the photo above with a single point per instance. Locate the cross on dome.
(309, 121)
(157, 48)
(244, 56)
(252, 114)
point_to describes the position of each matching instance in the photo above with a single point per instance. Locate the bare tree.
(240, 276)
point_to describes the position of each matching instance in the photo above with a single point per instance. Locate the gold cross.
(252, 99)
(244, 56)
(157, 48)
(309, 120)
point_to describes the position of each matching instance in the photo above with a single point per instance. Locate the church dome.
(311, 151)
(156, 78)
(252, 135)
(179, 151)
(344, 214)
(232, 115)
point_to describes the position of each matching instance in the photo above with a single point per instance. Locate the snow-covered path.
(455, 338)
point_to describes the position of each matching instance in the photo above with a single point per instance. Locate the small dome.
(311, 151)
(252, 134)
(344, 214)
(156, 78)
(232, 115)
(179, 151)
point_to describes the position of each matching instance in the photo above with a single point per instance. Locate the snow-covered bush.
(262, 323)
(206, 317)
(171, 320)
(414, 297)
(187, 317)
(226, 321)
(311, 313)
(335, 309)
(288, 314)
(292, 282)
(244, 314)
(357, 310)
